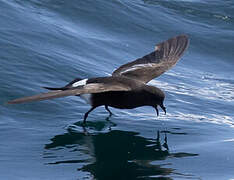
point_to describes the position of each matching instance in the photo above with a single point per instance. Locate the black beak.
(163, 108)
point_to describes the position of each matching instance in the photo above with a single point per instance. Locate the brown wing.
(152, 65)
(86, 89)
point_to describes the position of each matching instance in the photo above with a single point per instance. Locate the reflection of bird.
(106, 160)
(126, 88)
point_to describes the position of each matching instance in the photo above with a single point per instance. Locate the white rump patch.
(156, 48)
(86, 98)
(80, 83)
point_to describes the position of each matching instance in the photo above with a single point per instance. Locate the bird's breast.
(121, 100)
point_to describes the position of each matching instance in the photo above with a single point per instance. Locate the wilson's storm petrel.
(127, 87)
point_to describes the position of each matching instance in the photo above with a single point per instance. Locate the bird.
(127, 87)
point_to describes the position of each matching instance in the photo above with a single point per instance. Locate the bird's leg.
(156, 108)
(106, 107)
(163, 108)
(86, 115)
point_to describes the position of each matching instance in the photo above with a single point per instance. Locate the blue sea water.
(51, 42)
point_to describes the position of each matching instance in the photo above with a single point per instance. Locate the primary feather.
(152, 65)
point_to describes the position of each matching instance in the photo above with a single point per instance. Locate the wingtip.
(182, 39)
(179, 45)
(12, 102)
(6, 103)
(181, 36)
(185, 37)
(186, 41)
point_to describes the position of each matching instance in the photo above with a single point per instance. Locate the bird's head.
(157, 98)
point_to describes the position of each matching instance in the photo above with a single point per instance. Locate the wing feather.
(86, 89)
(165, 56)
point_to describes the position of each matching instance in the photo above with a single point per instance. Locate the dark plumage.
(126, 88)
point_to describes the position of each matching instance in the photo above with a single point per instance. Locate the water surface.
(49, 43)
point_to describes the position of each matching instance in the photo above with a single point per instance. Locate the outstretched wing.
(85, 89)
(152, 65)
